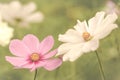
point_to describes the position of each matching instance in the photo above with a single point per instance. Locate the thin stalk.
(35, 74)
(100, 66)
(117, 44)
(56, 73)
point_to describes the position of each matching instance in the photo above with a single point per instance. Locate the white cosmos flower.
(6, 33)
(16, 13)
(85, 36)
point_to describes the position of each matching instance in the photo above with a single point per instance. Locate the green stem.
(56, 73)
(35, 74)
(100, 65)
(117, 44)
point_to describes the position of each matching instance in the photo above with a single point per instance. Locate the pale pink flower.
(111, 7)
(32, 54)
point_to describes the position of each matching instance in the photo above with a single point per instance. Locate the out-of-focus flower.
(85, 37)
(111, 7)
(32, 54)
(17, 14)
(6, 33)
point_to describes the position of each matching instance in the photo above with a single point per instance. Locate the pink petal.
(46, 44)
(18, 48)
(31, 42)
(38, 65)
(16, 61)
(50, 54)
(28, 65)
(53, 64)
(33, 68)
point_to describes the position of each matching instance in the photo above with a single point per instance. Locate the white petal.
(91, 45)
(35, 17)
(106, 31)
(15, 5)
(14, 8)
(81, 26)
(27, 9)
(106, 26)
(95, 21)
(111, 18)
(6, 12)
(73, 54)
(71, 36)
(62, 49)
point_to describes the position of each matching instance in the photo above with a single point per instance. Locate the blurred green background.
(59, 16)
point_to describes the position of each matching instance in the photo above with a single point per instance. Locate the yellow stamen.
(86, 36)
(35, 57)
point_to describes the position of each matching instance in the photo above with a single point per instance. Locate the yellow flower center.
(35, 57)
(18, 20)
(86, 36)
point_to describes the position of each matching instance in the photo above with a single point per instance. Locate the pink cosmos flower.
(32, 54)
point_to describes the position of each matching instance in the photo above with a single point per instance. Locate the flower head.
(6, 33)
(32, 54)
(16, 13)
(111, 7)
(85, 37)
